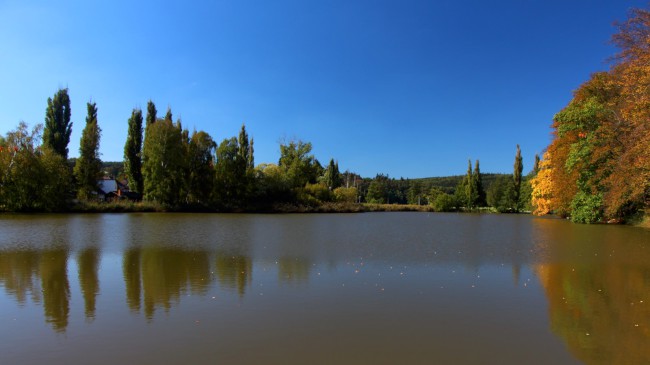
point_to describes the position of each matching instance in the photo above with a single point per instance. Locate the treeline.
(178, 170)
(598, 165)
(474, 190)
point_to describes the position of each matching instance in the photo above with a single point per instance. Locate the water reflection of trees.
(234, 271)
(599, 300)
(42, 276)
(88, 263)
(158, 276)
(294, 270)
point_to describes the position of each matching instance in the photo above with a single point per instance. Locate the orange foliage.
(542, 187)
(602, 138)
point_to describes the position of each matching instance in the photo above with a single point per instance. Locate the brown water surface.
(374, 288)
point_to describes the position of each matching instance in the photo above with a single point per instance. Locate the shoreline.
(641, 221)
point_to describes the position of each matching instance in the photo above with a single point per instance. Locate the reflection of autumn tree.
(169, 272)
(602, 309)
(293, 269)
(234, 271)
(88, 262)
(55, 286)
(18, 270)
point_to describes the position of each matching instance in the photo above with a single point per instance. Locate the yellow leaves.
(542, 187)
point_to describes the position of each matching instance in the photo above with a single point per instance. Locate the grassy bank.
(328, 207)
(116, 207)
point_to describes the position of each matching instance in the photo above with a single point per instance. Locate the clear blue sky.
(406, 88)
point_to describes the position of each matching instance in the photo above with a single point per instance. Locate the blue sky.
(406, 88)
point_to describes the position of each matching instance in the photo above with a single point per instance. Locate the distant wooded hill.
(448, 183)
(445, 183)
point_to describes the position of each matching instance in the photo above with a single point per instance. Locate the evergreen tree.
(88, 165)
(536, 165)
(478, 184)
(133, 151)
(58, 127)
(516, 178)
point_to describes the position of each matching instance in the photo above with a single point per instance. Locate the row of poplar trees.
(175, 169)
(162, 161)
(508, 193)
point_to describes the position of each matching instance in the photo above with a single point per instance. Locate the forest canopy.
(597, 166)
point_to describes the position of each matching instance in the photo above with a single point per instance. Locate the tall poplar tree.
(133, 152)
(58, 127)
(516, 178)
(168, 115)
(478, 185)
(332, 175)
(152, 113)
(466, 192)
(163, 163)
(536, 165)
(88, 165)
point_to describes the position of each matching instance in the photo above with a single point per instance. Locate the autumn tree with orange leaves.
(598, 164)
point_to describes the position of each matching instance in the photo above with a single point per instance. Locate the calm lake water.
(373, 288)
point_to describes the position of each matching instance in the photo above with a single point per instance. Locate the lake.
(372, 288)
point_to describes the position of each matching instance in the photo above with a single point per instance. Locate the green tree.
(444, 203)
(201, 171)
(271, 185)
(536, 165)
(58, 127)
(466, 191)
(500, 194)
(378, 192)
(516, 178)
(152, 113)
(168, 115)
(298, 164)
(32, 177)
(88, 165)
(133, 152)
(414, 194)
(348, 195)
(245, 165)
(332, 177)
(163, 163)
(480, 198)
(228, 188)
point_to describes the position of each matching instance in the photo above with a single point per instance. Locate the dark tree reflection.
(55, 287)
(88, 262)
(160, 275)
(234, 271)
